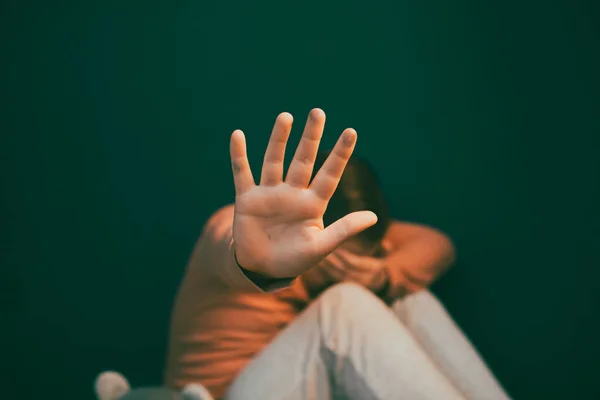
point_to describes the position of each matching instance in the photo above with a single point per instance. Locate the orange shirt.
(221, 320)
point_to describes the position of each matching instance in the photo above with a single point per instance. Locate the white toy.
(111, 385)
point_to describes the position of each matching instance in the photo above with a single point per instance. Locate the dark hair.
(359, 189)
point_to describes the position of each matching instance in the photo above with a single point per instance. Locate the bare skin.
(356, 262)
(278, 225)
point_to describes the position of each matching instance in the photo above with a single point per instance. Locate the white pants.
(349, 345)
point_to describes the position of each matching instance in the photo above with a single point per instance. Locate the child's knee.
(351, 301)
(349, 293)
(418, 304)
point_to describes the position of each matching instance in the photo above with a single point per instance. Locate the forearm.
(319, 278)
(417, 263)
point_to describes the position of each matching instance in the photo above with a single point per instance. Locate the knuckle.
(304, 157)
(235, 165)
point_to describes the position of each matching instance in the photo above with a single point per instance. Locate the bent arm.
(418, 255)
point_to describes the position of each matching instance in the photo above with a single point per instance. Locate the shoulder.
(222, 214)
(220, 221)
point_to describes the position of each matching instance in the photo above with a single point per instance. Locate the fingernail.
(349, 138)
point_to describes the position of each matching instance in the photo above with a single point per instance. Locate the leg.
(347, 344)
(447, 346)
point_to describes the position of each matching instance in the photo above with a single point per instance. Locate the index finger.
(272, 170)
(355, 261)
(333, 267)
(328, 177)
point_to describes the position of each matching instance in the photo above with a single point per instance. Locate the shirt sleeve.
(215, 252)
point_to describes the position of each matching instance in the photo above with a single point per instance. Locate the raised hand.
(278, 225)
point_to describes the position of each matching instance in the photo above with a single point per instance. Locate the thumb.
(344, 228)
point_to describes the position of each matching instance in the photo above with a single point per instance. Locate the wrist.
(381, 281)
(249, 265)
(263, 281)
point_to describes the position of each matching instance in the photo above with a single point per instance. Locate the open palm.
(278, 225)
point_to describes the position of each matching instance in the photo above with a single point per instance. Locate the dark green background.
(481, 117)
